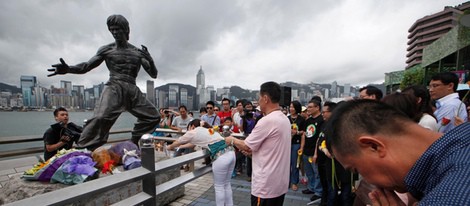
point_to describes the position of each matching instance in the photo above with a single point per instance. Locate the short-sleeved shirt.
(270, 142)
(298, 123)
(441, 176)
(427, 121)
(181, 123)
(211, 119)
(223, 114)
(237, 119)
(312, 130)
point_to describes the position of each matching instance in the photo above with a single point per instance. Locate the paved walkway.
(198, 192)
(201, 192)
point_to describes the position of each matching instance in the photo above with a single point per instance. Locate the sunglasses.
(209, 107)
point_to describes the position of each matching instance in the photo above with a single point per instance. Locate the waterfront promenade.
(198, 192)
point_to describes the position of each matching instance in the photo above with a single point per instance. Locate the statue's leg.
(96, 131)
(147, 115)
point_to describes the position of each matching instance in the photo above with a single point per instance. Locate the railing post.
(148, 162)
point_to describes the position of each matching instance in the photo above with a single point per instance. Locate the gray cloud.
(237, 42)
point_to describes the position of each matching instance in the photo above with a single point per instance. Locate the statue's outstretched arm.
(147, 63)
(64, 68)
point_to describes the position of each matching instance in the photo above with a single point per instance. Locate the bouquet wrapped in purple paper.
(129, 154)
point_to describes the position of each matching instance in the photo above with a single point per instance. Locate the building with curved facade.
(430, 28)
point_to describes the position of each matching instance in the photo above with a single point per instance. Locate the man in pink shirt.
(269, 145)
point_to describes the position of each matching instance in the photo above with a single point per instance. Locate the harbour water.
(34, 124)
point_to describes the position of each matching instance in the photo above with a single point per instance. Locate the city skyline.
(247, 44)
(60, 84)
(34, 96)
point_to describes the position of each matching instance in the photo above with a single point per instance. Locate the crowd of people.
(410, 147)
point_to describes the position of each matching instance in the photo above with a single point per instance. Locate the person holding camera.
(60, 135)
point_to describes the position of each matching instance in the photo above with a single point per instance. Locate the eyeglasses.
(434, 85)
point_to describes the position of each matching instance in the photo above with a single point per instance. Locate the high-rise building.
(174, 95)
(327, 94)
(28, 83)
(201, 93)
(184, 97)
(78, 92)
(430, 28)
(333, 89)
(150, 91)
(67, 85)
(347, 90)
(200, 79)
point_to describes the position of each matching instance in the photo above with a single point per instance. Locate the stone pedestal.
(16, 189)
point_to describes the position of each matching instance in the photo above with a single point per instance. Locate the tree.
(412, 76)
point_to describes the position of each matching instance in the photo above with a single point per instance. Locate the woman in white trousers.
(223, 157)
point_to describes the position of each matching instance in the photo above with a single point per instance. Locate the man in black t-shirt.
(60, 135)
(312, 130)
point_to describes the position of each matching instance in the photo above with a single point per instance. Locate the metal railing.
(6, 141)
(146, 174)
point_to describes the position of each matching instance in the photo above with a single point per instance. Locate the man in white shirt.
(442, 88)
(181, 122)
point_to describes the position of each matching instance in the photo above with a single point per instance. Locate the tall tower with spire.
(200, 79)
(201, 87)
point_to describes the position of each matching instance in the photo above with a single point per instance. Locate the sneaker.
(314, 202)
(307, 191)
(315, 197)
(294, 187)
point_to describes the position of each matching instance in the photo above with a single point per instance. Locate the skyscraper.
(67, 85)
(28, 83)
(430, 28)
(347, 90)
(200, 88)
(79, 97)
(150, 91)
(200, 79)
(333, 89)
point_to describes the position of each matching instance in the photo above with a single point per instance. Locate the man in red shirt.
(226, 112)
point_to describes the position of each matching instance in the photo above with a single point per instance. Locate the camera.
(248, 113)
(60, 127)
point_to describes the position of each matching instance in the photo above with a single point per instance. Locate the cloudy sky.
(241, 43)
